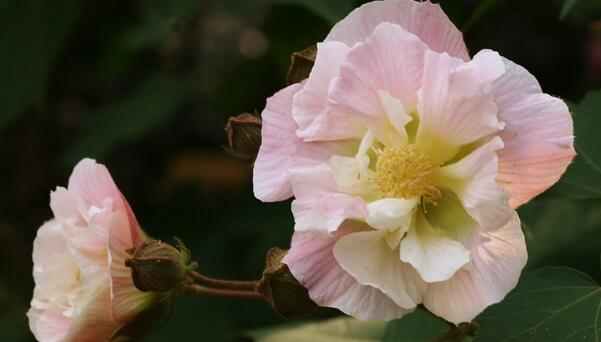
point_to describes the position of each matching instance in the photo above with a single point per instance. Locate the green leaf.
(552, 227)
(566, 8)
(31, 35)
(582, 180)
(552, 304)
(330, 10)
(415, 327)
(139, 113)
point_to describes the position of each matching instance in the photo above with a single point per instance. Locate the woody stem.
(203, 291)
(208, 282)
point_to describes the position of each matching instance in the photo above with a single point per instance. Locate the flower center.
(406, 172)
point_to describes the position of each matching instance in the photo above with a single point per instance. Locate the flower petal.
(282, 150)
(126, 300)
(424, 19)
(319, 206)
(49, 324)
(369, 259)
(391, 213)
(455, 106)
(434, 255)
(473, 180)
(538, 136)
(498, 257)
(311, 260)
(92, 320)
(311, 111)
(389, 63)
(95, 184)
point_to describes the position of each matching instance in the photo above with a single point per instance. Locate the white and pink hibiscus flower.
(83, 290)
(407, 160)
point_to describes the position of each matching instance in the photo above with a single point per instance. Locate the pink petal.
(456, 105)
(315, 118)
(391, 60)
(424, 19)
(498, 257)
(49, 324)
(66, 204)
(538, 135)
(92, 320)
(281, 149)
(369, 259)
(95, 184)
(319, 206)
(311, 260)
(126, 300)
(473, 181)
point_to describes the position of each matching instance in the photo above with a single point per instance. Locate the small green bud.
(158, 266)
(280, 289)
(243, 135)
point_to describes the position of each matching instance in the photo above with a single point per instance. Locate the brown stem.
(222, 284)
(455, 333)
(203, 291)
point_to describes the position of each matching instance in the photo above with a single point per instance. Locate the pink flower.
(407, 159)
(83, 290)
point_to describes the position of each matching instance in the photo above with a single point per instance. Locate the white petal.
(434, 255)
(369, 259)
(313, 264)
(391, 213)
(498, 257)
(473, 179)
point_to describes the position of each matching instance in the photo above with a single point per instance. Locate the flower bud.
(280, 289)
(244, 135)
(301, 63)
(157, 266)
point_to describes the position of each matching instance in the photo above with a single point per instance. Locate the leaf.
(152, 103)
(415, 327)
(552, 304)
(330, 10)
(31, 35)
(582, 179)
(553, 226)
(301, 63)
(567, 6)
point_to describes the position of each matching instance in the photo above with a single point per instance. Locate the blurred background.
(146, 88)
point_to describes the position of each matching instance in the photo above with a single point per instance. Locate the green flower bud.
(158, 266)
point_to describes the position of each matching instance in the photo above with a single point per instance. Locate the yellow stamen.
(407, 172)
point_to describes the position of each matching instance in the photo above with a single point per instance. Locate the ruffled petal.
(311, 260)
(433, 254)
(92, 320)
(391, 213)
(424, 19)
(126, 300)
(315, 118)
(49, 324)
(387, 67)
(498, 257)
(369, 259)
(282, 150)
(456, 104)
(95, 185)
(319, 206)
(473, 180)
(538, 135)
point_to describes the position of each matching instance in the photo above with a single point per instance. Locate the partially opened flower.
(84, 291)
(407, 159)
